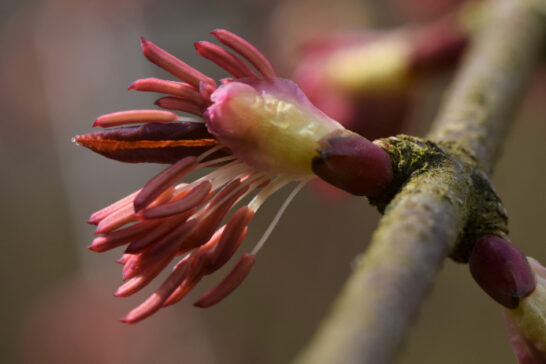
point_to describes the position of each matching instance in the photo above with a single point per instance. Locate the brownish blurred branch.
(375, 310)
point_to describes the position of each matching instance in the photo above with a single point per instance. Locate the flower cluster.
(256, 131)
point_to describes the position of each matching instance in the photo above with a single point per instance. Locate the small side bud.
(501, 270)
(353, 163)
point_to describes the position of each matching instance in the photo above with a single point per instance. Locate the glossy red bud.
(353, 164)
(501, 270)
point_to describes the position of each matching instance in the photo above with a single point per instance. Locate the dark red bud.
(501, 270)
(353, 163)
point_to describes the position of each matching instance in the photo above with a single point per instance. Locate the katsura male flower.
(366, 80)
(257, 131)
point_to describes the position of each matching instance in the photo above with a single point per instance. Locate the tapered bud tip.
(353, 163)
(501, 270)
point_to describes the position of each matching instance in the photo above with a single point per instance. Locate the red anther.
(122, 236)
(353, 163)
(134, 117)
(229, 283)
(501, 270)
(180, 104)
(173, 65)
(96, 217)
(175, 88)
(194, 275)
(126, 214)
(224, 59)
(163, 228)
(216, 211)
(230, 240)
(162, 181)
(193, 198)
(117, 219)
(156, 300)
(247, 50)
(163, 250)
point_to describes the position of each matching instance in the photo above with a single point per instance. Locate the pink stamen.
(206, 90)
(209, 224)
(247, 50)
(126, 214)
(232, 237)
(124, 258)
(165, 226)
(177, 103)
(163, 250)
(127, 266)
(156, 300)
(162, 181)
(173, 65)
(121, 237)
(193, 198)
(117, 219)
(180, 89)
(234, 278)
(194, 276)
(225, 59)
(137, 282)
(96, 217)
(134, 117)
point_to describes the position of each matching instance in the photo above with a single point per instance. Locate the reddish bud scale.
(151, 143)
(353, 163)
(233, 280)
(501, 270)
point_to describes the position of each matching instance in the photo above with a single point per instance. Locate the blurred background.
(64, 62)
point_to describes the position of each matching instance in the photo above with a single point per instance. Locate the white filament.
(278, 216)
(206, 153)
(190, 119)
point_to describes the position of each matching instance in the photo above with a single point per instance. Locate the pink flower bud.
(353, 163)
(501, 270)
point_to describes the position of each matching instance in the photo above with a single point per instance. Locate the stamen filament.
(277, 217)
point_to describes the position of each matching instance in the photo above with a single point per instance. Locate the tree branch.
(373, 314)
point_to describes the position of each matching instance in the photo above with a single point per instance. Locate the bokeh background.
(64, 62)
